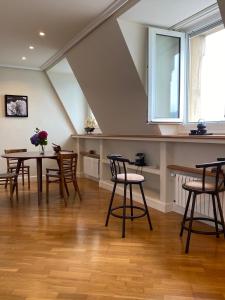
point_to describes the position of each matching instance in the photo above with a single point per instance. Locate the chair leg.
(221, 213)
(146, 207)
(17, 198)
(6, 183)
(47, 190)
(28, 177)
(110, 205)
(22, 175)
(190, 224)
(185, 213)
(66, 188)
(11, 189)
(63, 191)
(131, 203)
(75, 184)
(215, 215)
(124, 211)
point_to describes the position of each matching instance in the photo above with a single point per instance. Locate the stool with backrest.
(121, 176)
(66, 173)
(212, 187)
(12, 166)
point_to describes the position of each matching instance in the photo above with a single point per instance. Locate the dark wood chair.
(66, 173)
(12, 178)
(12, 166)
(212, 187)
(121, 176)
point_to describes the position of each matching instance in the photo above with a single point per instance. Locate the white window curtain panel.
(197, 52)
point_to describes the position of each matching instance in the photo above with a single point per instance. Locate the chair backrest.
(12, 162)
(68, 165)
(217, 171)
(118, 165)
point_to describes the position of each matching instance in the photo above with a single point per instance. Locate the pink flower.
(42, 135)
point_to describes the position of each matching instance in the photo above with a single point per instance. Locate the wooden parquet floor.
(53, 252)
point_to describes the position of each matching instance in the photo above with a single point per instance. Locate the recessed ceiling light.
(41, 33)
(24, 58)
(31, 47)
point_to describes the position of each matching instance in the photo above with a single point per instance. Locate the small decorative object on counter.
(140, 159)
(40, 138)
(56, 148)
(201, 129)
(90, 125)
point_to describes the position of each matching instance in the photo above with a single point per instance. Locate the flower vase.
(42, 150)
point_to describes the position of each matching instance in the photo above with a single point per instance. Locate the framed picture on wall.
(16, 106)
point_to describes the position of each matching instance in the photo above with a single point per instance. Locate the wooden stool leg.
(215, 215)
(190, 223)
(124, 211)
(221, 213)
(146, 207)
(185, 213)
(131, 203)
(110, 205)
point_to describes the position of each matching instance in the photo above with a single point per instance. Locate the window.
(166, 75)
(206, 76)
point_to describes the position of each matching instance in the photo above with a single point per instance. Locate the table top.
(33, 154)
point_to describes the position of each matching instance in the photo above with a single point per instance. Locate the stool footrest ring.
(128, 216)
(203, 232)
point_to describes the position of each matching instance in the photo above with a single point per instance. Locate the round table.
(21, 156)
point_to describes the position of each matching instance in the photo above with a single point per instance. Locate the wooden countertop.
(215, 138)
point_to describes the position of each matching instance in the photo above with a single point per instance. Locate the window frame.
(152, 32)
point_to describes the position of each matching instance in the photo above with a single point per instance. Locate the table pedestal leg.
(39, 179)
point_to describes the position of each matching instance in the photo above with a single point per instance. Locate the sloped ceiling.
(107, 75)
(222, 9)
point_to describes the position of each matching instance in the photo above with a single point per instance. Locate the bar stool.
(213, 188)
(120, 176)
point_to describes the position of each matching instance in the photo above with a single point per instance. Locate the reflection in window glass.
(167, 77)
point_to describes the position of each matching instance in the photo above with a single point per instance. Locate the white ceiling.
(165, 13)
(61, 20)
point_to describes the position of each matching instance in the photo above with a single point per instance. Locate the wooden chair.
(213, 188)
(121, 176)
(65, 174)
(12, 178)
(12, 165)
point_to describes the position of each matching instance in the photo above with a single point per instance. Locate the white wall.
(70, 94)
(44, 111)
